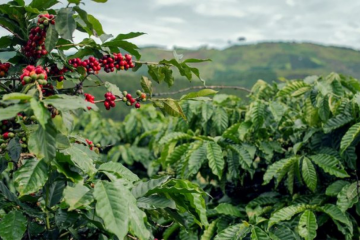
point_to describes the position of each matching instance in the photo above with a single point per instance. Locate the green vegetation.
(279, 161)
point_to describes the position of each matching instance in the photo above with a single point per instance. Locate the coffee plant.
(54, 183)
(282, 166)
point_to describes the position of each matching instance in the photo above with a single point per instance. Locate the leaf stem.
(39, 90)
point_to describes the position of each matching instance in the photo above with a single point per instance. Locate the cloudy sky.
(194, 23)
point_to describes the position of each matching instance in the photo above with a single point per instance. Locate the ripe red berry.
(107, 105)
(137, 105)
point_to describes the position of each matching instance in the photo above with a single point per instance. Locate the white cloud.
(171, 20)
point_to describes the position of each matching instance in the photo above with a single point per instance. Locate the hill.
(244, 64)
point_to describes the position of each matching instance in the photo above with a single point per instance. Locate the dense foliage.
(53, 182)
(282, 167)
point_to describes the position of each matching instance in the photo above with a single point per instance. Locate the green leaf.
(348, 196)
(82, 157)
(170, 106)
(41, 113)
(146, 85)
(258, 234)
(65, 23)
(174, 136)
(257, 113)
(55, 192)
(51, 38)
(220, 120)
(292, 87)
(349, 137)
(201, 93)
(42, 142)
(207, 110)
(329, 164)
(228, 209)
(31, 176)
(175, 186)
(337, 122)
(113, 89)
(210, 231)
(77, 197)
(66, 102)
(281, 165)
(137, 220)
(143, 188)
(215, 157)
(43, 4)
(128, 36)
(308, 225)
(100, 1)
(12, 111)
(118, 170)
(16, 96)
(14, 149)
(96, 25)
(13, 226)
(196, 159)
(309, 174)
(337, 215)
(112, 205)
(234, 232)
(286, 213)
(155, 201)
(334, 188)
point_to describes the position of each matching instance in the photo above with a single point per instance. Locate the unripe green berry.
(11, 135)
(23, 139)
(33, 118)
(128, 103)
(144, 99)
(138, 92)
(23, 145)
(124, 99)
(98, 145)
(27, 79)
(125, 93)
(41, 76)
(3, 145)
(46, 22)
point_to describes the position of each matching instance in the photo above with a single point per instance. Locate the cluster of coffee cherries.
(118, 61)
(89, 98)
(130, 100)
(31, 74)
(47, 90)
(57, 74)
(109, 100)
(4, 68)
(35, 46)
(7, 131)
(91, 65)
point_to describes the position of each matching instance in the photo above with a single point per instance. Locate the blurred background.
(246, 40)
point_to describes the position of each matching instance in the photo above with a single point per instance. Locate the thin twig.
(165, 226)
(153, 63)
(132, 237)
(39, 90)
(5, 87)
(69, 45)
(15, 34)
(202, 87)
(6, 79)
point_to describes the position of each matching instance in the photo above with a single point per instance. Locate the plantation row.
(206, 166)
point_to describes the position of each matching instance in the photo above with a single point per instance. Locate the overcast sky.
(194, 23)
